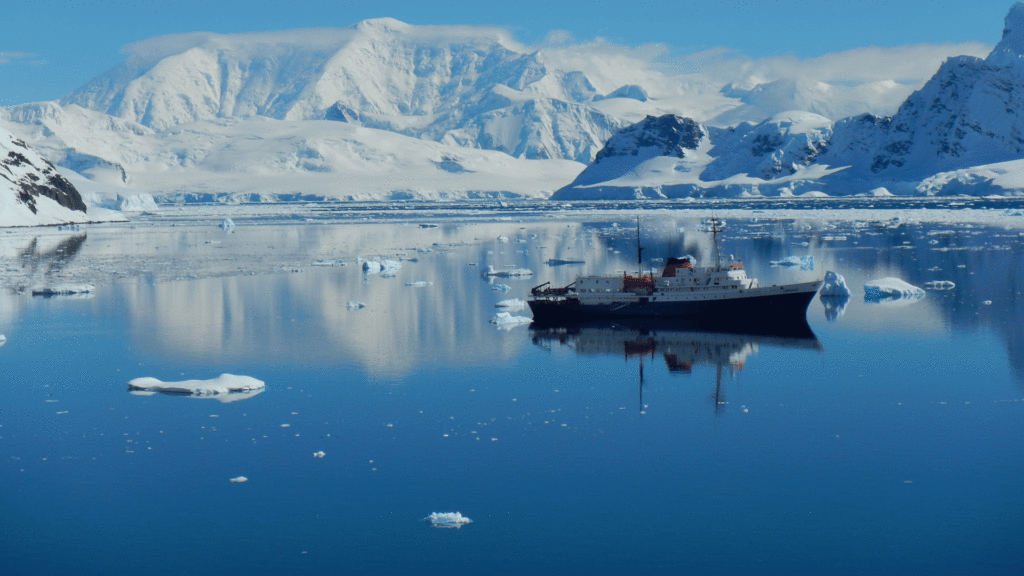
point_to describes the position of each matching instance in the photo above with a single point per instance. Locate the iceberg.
(892, 289)
(510, 273)
(834, 286)
(227, 225)
(319, 454)
(239, 479)
(352, 305)
(507, 321)
(801, 262)
(226, 387)
(3, 339)
(939, 285)
(382, 266)
(447, 519)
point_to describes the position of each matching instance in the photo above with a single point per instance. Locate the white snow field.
(226, 387)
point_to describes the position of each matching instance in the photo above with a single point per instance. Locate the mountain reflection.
(681, 346)
(36, 260)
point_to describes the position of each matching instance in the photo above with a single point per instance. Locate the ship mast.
(639, 250)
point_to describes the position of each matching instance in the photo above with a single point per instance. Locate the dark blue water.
(887, 443)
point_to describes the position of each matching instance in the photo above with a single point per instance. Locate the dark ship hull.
(750, 311)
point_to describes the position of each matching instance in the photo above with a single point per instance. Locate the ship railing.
(545, 290)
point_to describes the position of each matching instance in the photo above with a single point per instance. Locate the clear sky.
(50, 47)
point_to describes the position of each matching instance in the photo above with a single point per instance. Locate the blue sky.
(50, 47)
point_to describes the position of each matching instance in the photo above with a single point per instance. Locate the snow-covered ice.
(507, 321)
(835, 285)
(509, 273)
(447, 519)
(225, 387)
(387, 267)
(890, 288)
(801, 262)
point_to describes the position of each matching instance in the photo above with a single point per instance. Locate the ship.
(720, 295)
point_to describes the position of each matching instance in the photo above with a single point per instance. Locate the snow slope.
(33, 192)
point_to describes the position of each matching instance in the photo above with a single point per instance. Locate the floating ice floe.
(801, 262)
(834, 286)
(891, 289)
(447, 519)
(513, 305)
(319, 454)
(939, 285)
(419, 284)
(63, 289)
(3, 339)
(227, 225)
(503, 288)
(329, 263)
(503, 239)
(239, 479)
(510, 273)
(382, 266)
(226, 387)
(558, 262)
(352, 305)
(506, 321)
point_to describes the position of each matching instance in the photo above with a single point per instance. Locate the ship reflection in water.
(681, 345)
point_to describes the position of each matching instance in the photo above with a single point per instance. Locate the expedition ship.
(718, 295)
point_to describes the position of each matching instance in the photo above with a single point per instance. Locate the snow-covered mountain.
(463, 86)
(383, 109)
(962, 132)
(33, 192)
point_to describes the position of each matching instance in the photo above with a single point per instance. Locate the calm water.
(888, 443)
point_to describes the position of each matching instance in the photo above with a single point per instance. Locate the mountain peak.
(1011, 48)
(383, 25)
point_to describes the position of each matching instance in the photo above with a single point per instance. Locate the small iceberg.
(329, 263)
(447, 519)
(319, 454)
(383, 266)
(800, 262)
(503, 288)
(352, 305)
(419, 284)
(506, 321)
(226, 387)
(227, 225)
(239, 480)
(3, 340)
(834, 286)
(939, 285)
(891, 289)
(63, 289)
(510, 273)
